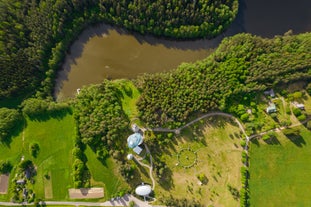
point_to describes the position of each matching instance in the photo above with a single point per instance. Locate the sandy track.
(4, 183)
(86, 193)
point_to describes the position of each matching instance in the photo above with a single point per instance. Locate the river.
(109, 52)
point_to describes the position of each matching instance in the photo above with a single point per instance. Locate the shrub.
(286, 123)
(297, 112)
(265, 137)
(244, 117)
(273, 115)
(202, 178)
(309, 125)
(244, 157)
(302, 117)
(243, 143)
(297, 95)
(5, 167)
(34, 107)
(9, 118)
(34, 149)
(131, 204)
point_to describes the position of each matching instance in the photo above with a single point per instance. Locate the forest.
(100, 119)
(241, 65)
(35, 35)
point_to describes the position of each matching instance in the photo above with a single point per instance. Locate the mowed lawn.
(105, 175)
(280, 174)
(55, 137)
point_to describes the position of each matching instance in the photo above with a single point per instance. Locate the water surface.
(109, 52)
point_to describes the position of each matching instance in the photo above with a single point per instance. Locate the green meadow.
(280, 173)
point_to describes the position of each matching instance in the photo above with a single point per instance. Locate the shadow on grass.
(272, 141)
(55, 114)
(166, 181)
(255, 141)
(296, 139)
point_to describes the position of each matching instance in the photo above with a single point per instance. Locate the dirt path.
(149, 167)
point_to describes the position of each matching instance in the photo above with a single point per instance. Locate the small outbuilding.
(270, 93)
(20, 181)
(271, 108)
(129, 156)
(300, 106)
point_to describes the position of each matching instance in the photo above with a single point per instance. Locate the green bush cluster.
(5, 167)
(81, 174)
(9, 119)
(34, 149)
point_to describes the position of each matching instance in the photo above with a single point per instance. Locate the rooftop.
(134, 140)
(143, 190)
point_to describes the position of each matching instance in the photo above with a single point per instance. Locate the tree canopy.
(241, 64)
(34, 35)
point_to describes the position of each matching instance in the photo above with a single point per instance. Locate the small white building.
(301, 106)
(143, 190)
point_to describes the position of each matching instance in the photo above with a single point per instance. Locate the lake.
(109, 52)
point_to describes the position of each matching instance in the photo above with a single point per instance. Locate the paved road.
(123, 201)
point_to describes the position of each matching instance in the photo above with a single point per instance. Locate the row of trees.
(34, 35)
(242, 65)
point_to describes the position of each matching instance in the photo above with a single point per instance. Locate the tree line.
(243, 64)
(34, 35)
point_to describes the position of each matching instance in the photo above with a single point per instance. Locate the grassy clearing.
(280, 173)
(104, 175)
(218, 158)
(130, 95)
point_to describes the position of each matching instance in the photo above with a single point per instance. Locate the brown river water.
(104, 51)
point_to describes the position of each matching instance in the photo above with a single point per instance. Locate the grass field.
(104, 176)
(218, 158)
(280, 174)
(55, 137)
(12, 152)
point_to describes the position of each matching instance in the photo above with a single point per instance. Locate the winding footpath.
(147, 166)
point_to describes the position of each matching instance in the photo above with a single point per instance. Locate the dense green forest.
(100, 119)
(34, 35)
(242, 64)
